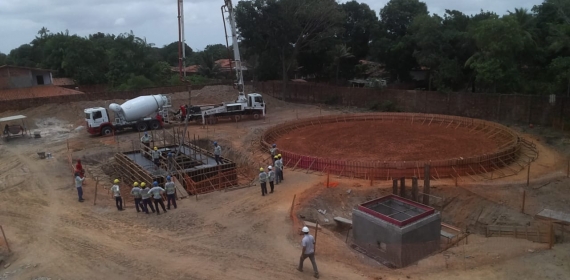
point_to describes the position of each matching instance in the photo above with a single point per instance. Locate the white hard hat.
(305, 230)
(269, 167)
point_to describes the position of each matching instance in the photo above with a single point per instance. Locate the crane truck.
(251, 105)
(140, 114)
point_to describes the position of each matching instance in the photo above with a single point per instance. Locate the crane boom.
(237, 58)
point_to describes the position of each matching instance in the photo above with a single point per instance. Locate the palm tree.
(338, 53)
(208, 66)
(43, 32)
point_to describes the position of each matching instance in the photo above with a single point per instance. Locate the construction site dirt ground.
(240, 234)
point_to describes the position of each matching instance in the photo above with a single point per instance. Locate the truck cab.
(95, 119)
(255, 101)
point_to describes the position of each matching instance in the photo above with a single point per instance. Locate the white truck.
(141, 113)
(253, 106)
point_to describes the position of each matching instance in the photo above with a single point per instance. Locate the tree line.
(122, 61)
(522, 51)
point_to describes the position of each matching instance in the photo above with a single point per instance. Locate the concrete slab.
(555, 216)
(343, 220)
(311, 225)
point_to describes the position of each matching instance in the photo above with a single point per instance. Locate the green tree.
(288, 27)
(393, 47)
(3, 57)
(338, 53)
(169, 53)
(359, 25)
(208, 66)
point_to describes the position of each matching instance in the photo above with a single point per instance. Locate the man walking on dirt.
(217, 153)
(263, 181)
(271, 177)
(117, 194)
(136, 192)
(308, 251)
(79, 185)
(145, 140)
(156, 191)
(145, 195)
(170, 192)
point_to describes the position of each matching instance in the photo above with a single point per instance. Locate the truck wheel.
(142, 126)
(154, 125)
(256, 116)
(106, 131)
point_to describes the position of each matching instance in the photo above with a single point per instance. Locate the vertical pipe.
(426, 184)
(523, 201)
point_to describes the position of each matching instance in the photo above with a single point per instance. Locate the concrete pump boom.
(237, 58)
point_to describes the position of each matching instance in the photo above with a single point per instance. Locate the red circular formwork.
(507, 147)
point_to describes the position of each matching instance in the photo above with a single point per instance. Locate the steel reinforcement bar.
(509, 148)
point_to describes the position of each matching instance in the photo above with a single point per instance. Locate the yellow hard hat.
(143, 184)
(155, 148)
(134, 184)
(116, 181)
(276, 156)
(261, 169)
(279, 155)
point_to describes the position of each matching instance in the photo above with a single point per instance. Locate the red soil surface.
(385, 141)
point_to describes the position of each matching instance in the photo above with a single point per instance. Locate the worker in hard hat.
(170, 161)
(271, 177)
(145, 195)
(170, 189)
(156, 157)
(308, 251)
(263, 181)
(276, 169)
(273, 152)
(217, 153)
(157, 192)
(79, 185)
(117, 194)
(79, 168)
(279, 169)
(145, 140)
(136, 193)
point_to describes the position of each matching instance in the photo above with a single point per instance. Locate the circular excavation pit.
(393, 145)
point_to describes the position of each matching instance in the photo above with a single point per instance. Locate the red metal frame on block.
(429, 210)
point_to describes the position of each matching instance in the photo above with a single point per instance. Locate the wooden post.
(347, 233)
(551, 236)
(523, 200)
(425, 195)
(528, 174)
(395, 186)
(95, 196)
(292, 205)
(415, 189)
(316, 232)
(328, 176)
(5, 240)
(371, 175)
(403, 187)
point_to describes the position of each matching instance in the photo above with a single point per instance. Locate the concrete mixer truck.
(141, 113)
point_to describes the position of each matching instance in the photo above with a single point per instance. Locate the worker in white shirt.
(170, 189)
(145, 195)
(263, 181)
(157, 192)
(217, 153)
(156, 157)
(145, 140)
(308, 251)
(271, 177)
(273, 152)
(136, 193)
(279, 163)
(117, 194)
(79, 186)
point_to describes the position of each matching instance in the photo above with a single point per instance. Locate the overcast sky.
(155, 20)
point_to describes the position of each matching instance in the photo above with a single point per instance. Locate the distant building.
(12, 77)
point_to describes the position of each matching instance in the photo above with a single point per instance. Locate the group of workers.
(273, 177)
(143, 195)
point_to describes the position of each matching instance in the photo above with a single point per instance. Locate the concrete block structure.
(22, 77)
(396, 230)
